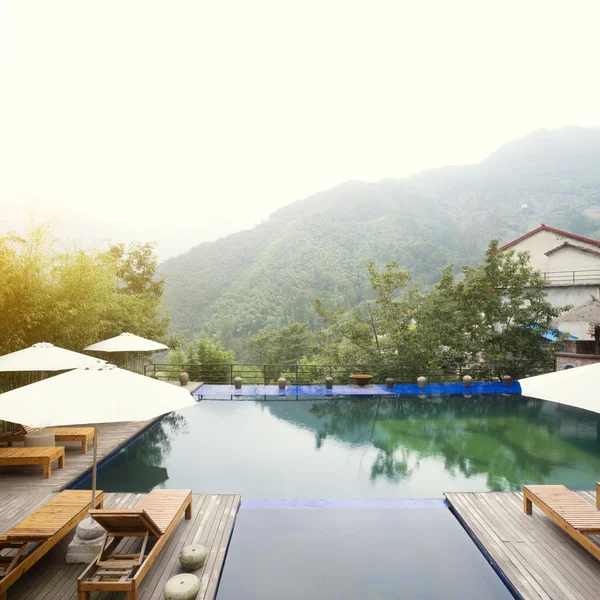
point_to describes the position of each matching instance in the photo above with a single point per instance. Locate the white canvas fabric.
(127, 342)
(578, 387)
(103, 394)
(46, 357)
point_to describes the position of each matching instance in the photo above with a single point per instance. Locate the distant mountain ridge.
(268, 276)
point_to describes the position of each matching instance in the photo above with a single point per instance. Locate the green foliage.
(280, 346)
(268, 276)
(204, 360)
(73, 298)
(496, 312)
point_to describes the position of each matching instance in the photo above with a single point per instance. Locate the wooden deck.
(540, 560)
(211, 525)
(111, 436)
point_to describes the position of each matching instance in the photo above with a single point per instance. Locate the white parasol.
(46, 357)
(103, 394)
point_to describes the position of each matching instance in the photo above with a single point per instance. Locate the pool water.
(364, 447)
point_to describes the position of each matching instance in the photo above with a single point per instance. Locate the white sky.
(213, 114)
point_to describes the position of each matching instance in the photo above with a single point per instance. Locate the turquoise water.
(377, 447)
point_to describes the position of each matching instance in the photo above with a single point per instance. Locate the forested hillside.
(319, 247)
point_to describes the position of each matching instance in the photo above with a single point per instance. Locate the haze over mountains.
(269, 275)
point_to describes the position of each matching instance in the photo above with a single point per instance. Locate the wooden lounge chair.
(157, 515)
(43, 455)
(61, 434)
(27, 542)
(568, 510)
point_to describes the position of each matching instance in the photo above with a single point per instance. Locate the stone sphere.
(467, 380)
(89, 529)
(389, 383)
(237, 383)
(193, 557)
(329, 382)
(184, 378)
(506, 380)
(421, 381)
(182, 587)
(282, 382)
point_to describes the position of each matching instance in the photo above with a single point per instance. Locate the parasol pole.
(94, 466)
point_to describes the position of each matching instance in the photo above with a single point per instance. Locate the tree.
(287, 345)
(498, 312)
(73, 297)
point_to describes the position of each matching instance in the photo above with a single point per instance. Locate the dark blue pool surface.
(214, 392)
(355, 551)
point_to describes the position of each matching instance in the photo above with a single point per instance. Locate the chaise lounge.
(61, 434)
(35, 535)
(568, 510)
(42, 455)
(157, 515)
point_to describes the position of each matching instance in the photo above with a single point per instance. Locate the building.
(571, 267)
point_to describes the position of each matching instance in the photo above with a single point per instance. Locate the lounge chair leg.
(133, 595)
(82, 596)
(84, 446)
(61, 461)
(188, 511)
(527, 506)
(47, 470)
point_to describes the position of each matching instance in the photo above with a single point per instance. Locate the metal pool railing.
(302, 374)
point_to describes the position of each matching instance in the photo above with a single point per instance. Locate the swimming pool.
(362, 447)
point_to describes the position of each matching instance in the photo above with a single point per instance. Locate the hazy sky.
(216, 113)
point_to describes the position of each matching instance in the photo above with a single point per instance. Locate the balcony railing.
(580, 277)
(265, 374)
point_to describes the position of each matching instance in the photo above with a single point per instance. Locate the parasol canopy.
(101, 394)
(127, 342)
(46, 357)
(574, 387)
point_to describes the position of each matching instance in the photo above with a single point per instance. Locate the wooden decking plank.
(53, 579)
(111, 437)
(544, 546)
(211, 507)
(211, 589)
(536, 555)
(513, 571)
(182, 537)
(212, 568)
(549, 541)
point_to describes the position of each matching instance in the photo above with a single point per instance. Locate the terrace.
(420, 465)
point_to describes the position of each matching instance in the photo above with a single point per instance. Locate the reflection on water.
(362, 448)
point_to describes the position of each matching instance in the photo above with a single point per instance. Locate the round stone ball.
(182, 587)
(467, 380)
(421, 381)
(193, 557)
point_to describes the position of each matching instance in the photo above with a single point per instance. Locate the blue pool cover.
(354, 551)
(215, 392)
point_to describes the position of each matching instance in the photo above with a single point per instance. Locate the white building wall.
(567, 259)
(570, 259)
(543, 241)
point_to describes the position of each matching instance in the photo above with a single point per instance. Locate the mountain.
(268, 276)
